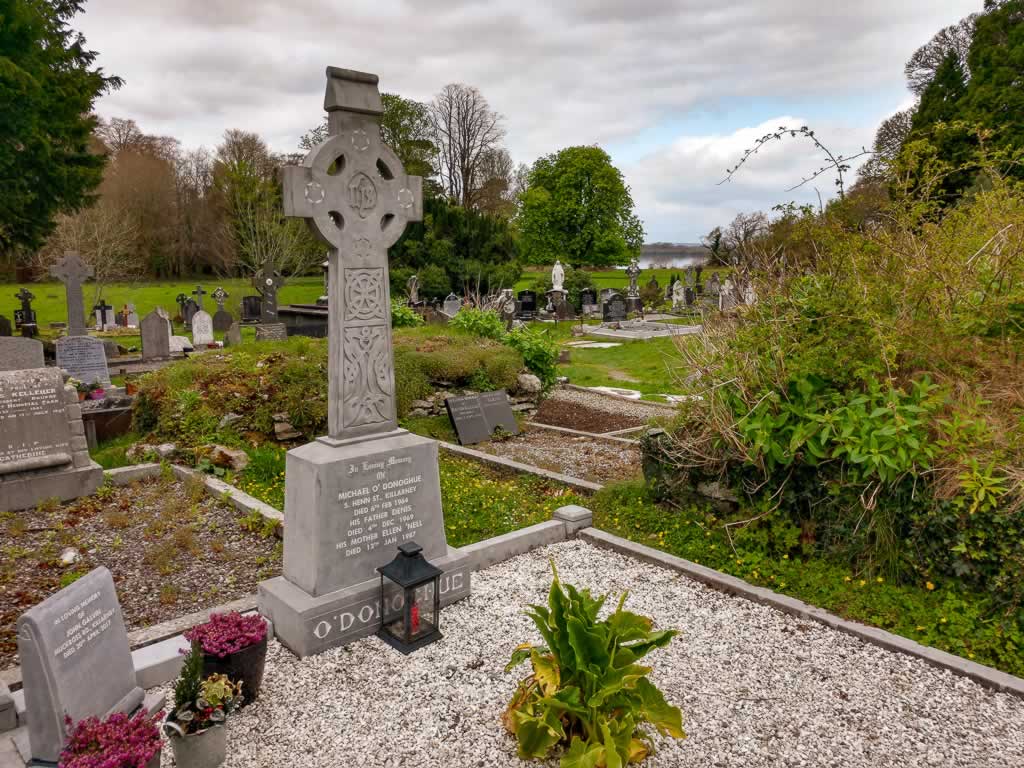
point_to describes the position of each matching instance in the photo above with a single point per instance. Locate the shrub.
(403, 316)
(434, 282)
(586, 689)
(479, 322)
(540, 353)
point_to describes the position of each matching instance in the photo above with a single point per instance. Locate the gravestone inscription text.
(34, 431)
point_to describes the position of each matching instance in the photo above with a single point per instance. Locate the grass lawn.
(51, 304)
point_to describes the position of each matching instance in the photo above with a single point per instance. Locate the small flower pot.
(82, 396)
(130, 388)
(204, 749)
(96, 394)
(245, 665)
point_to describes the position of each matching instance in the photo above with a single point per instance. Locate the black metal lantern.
(411, 622)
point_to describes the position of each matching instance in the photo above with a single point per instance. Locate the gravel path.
(757, 687)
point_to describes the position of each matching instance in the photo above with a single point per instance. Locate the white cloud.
(563, 73)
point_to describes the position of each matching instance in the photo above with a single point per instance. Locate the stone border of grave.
(607, 436)
(577, 387)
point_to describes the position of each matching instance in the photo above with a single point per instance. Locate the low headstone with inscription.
(353, 496)
(527, 305)
(202, 329)
(613, 310)
(85, 358)
(17, 353)
(477, 417)
(156, 336)
(181, 344)
(43, 450)
(131, 316)
(76, 663)
(271, 332)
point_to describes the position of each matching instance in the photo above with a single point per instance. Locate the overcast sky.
(674, 90)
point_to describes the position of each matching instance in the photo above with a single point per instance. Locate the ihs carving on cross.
(356, 197)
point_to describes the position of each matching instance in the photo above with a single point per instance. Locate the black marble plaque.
(476, 417)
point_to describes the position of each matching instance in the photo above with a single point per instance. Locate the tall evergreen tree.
(995, 96)
(48, 85)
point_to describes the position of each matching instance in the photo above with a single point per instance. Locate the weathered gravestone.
(83, 357)
(181, 344)
(353, 496)
(251, 308)
(43, 451)
(222, 319)
(476, 417)
(131, 316)
(71, 271)
(156, 336)
(268, 282)
(188, 311)
(75, 662)
(233, 336)
(17, 354)
(202, 329)
(452, 305)
(271, 332)
(527, 305)
(613, 309)
(588, 301)
(5, 326)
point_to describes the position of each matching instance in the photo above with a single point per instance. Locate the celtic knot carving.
(369, 377)
(364, 294)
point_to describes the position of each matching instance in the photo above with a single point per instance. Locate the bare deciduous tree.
(920, 69)
(888, 142)
(465, 130)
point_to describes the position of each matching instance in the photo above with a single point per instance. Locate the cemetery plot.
(593, 459)
(172, 550)
(592, 412)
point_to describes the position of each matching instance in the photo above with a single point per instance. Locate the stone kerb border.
(986, 676)
(500, 461)
(613, 396)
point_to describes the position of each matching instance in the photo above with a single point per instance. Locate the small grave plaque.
(476, 417)
(614, 308)
(271, 332)
(202, 329)
(251, 308)
(527, 305)
(84, 358)
(233, 337)
(75, 661)
(18, 353)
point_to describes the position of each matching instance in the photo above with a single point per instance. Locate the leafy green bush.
(540, 353)
(404, 316)
(586, 689)
(479, 322)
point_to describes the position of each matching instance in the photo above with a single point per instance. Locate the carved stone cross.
(199, 293)
(220, 296)
(355, 195)
(268, 281)
(25, 296)
(72, 271)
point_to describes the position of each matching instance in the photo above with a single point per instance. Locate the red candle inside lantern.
(415, 613)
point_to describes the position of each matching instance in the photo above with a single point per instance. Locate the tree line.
(138, 205)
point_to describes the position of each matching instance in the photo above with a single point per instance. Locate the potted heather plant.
(236, 646)
(195, 727)
(117, 741)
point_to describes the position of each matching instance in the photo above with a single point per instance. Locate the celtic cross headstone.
(72, 271)
(353, 496)
(222, 319)
(268, 281)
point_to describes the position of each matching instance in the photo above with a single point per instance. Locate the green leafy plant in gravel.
(586, 689)
(537, 347)
(939, 612)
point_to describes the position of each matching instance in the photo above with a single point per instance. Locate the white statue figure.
(557, 277)
(678, 295)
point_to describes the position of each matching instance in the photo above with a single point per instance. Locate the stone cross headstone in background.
(452, 305)
(202, 329)
(76, 662)
(222, 319)
(199, 293)
(25, 318)
(84, 358)
(268, 281)
(5, 326)
(353, 496)
(72, 271)
(104, 316)
(181, 300)
(17, 354)
(156, 336)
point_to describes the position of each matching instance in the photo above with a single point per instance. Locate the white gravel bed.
(757, 687)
